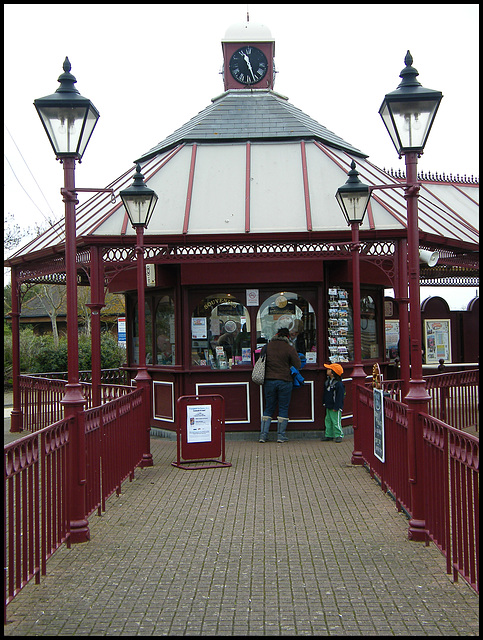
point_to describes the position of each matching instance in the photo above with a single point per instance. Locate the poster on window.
(392, 339)
(198, 328)
(437, 341)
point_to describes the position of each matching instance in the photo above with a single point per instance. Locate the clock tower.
(248, 57)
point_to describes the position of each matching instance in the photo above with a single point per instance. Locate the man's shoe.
(282, 439)
(338, 440)
(324, 439)
(262, 439)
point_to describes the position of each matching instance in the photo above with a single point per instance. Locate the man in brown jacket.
(278, 385)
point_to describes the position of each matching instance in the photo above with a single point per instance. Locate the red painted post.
(403, 301)
(95, 305)
(73, 400)
(358, 375)
(16, 416)
(417, 397)
(143, 379)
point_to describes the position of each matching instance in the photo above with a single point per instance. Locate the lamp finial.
(409, 73)
(66, 79)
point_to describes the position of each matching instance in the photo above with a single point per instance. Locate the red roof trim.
(190, 190)
(308, 213)
(465, 194)
(247, 188)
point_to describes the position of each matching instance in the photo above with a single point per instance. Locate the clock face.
(248, 65)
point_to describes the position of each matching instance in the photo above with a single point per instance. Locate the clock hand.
(247, 60)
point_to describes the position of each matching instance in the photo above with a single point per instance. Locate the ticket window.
(292, 311)
(220, 333)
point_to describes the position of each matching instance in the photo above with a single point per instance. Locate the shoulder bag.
(258, 373)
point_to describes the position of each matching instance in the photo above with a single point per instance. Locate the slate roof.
(253, 114)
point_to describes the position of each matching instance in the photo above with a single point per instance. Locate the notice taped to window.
(198, 423)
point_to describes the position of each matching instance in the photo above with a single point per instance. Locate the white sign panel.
(199, 423)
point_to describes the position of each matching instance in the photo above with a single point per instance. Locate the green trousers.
(333, 424)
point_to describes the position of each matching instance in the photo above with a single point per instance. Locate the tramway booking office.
(247, 237)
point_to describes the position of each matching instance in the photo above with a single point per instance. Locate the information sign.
(379, 448)
(121, 331)
(201, 432)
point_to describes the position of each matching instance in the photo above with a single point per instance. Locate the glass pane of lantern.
(353, 205)
(69, 129)
(63, 127)
(140, 208)
(90, 123)
(412, 120)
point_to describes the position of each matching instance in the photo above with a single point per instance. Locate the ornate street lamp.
(353, 198)
(139, 201)
(69, 120)
(408, 114)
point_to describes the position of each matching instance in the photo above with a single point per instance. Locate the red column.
(73, 400)
(403, 300)
(358, 375)
(16, 416)
(417, 397)
(95, 305)
(143, 379)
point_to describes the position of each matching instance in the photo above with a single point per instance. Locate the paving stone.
(288, 541)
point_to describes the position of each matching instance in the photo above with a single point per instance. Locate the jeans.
(277, 392)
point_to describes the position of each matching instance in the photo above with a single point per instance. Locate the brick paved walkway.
(290, 540)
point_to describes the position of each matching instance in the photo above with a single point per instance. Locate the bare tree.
(52, 298)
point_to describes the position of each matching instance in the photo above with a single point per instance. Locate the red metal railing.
(393, 473)
(37, 481)
(109, 428)
(36, 518)
(451, 462)
(453, 396)
(450, 467)
(40, 399)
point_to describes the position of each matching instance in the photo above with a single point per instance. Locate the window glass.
(164, 329)
(290, 310)
(340, 325)
(220, 333)
(369, 342)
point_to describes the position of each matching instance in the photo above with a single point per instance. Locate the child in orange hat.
(333, 401)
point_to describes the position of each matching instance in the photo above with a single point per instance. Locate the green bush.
(38, 354)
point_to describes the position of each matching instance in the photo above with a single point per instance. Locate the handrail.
(37, 480)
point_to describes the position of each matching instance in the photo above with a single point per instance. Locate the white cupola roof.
(248, 32)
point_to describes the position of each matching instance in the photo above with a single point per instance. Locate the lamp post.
(408, 114)
(353, 198)
(139, 201)
(69, 120)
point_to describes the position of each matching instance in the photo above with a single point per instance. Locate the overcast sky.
(150, 68)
